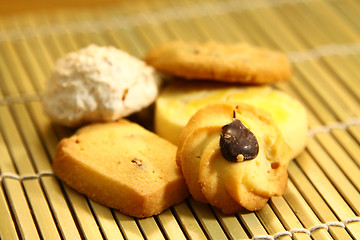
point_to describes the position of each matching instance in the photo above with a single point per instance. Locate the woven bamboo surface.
(321, 38)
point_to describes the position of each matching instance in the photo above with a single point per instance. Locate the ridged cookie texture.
(239, 62)
(98, 84)
(180, 100)
(233, 186)
(123, 166)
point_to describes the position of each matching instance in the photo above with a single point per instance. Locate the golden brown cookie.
(233, 157)
(122, 166)
(241, 62)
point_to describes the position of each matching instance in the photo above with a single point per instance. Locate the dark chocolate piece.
(237, 143)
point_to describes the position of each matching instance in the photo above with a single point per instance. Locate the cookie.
(123, 166)
(233, 157)
(240, 63)
(98, 84)
(180, 100)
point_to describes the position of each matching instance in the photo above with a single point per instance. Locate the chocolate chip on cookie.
(237, 143)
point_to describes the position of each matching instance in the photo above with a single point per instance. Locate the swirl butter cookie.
(180, 100)
(121, 165)
(233, 157)
(241, 62)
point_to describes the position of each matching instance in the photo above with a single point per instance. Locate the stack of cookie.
(222, 131)
(111, 160)
(215, 85)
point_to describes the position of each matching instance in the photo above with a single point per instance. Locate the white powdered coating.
(98, 84)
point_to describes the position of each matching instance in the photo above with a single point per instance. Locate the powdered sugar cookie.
(98, 84)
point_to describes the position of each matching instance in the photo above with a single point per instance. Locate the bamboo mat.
(321, 38)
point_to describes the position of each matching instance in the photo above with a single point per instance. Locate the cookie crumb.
(126, 90)
(275, 165)
(138, 162)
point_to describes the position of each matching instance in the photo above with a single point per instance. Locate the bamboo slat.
(60, 209)
(303, 212)
(287, 216)
(348, 144)
(326, 189)
(253, 224)
(207, 219)
(271, 222)
(8, 85)
(83, 214)
(14, 142)
(341, 158)
(22, 212)
(30, 65)
(106, 221)
(6, 164)
(315, 200)
(188, 222)
(322, 41)
(7, 226)
(40, 209)
(231, 225)
(31, 138)
(150, 228)
(335, 175)
(128, 226)
(170, 226)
